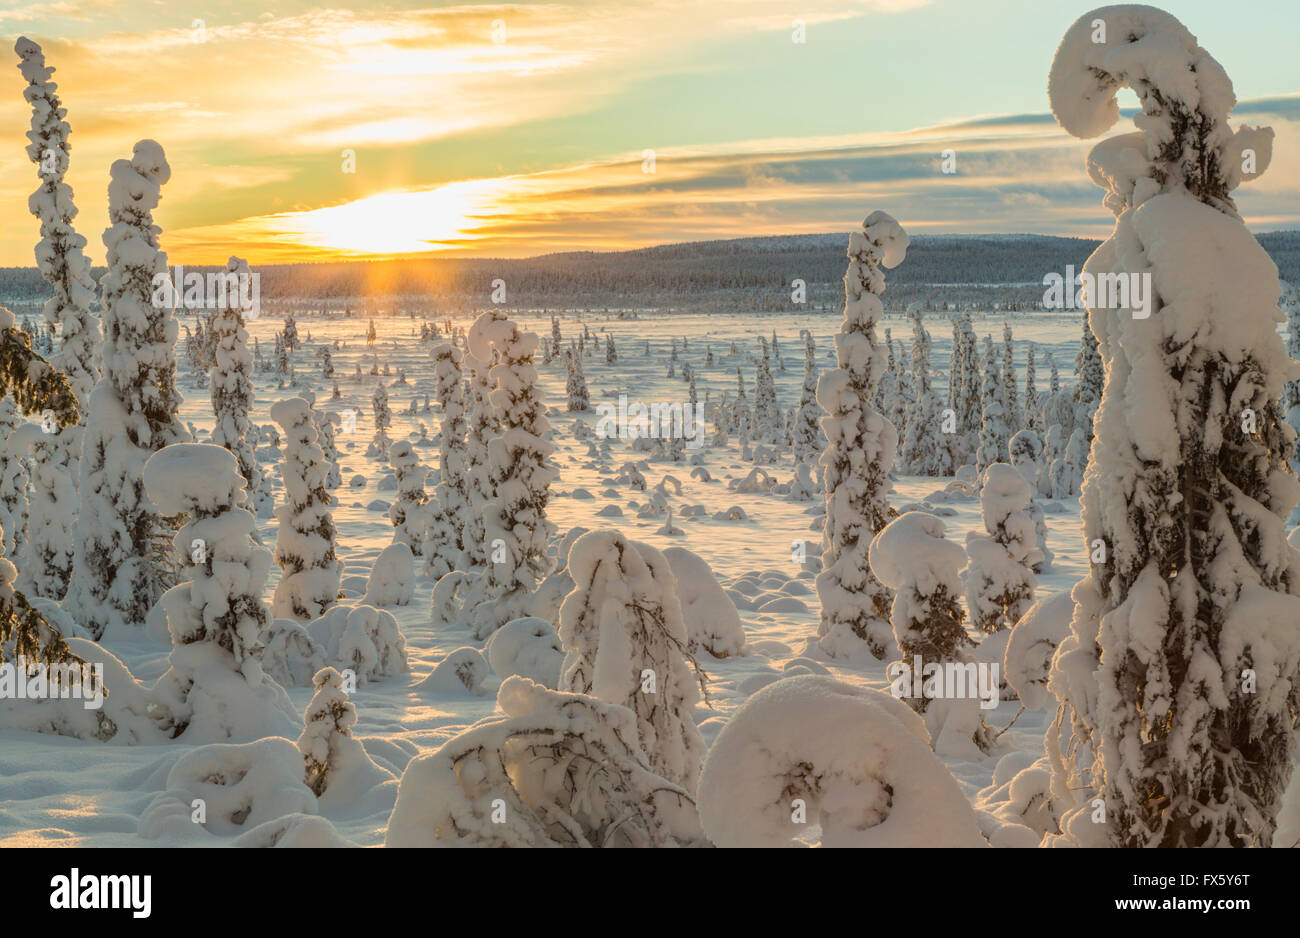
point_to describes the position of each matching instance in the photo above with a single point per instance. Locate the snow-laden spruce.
(1000, 580)
(383, 420)
(1291, 394)
(812, 751)
(215, 689)
(925, 451)
(553, 770)
(47, 563)
(15, 439)
(515, 527)
(121, 564)
(576, 382)
(304, 541)
(448, 522)
(625, 642)
(859, 455)
(994, 434)
(1194, 595)
(232, 387)
(965, 399)
(808, 437)
(914, 559)
(481, 428)
(28, 381)
(51, 512)
(410, 510)
(328, 728)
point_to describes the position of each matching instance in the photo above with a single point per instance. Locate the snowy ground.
(56, 791)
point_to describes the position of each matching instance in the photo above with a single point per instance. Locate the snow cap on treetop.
(882, 237)
(486, 329)
(1134, 44)
(1150, 51)
(289, 411)
(186, 477)
(912, 549)
(33, 65)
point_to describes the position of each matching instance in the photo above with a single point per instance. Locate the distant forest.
(959, 271)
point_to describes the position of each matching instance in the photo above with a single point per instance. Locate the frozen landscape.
(696, 545)
(59, 791)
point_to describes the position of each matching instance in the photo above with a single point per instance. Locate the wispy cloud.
(1014, 173)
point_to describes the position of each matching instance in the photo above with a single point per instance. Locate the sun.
(392, 223)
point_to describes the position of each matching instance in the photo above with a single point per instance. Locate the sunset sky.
(519, 129)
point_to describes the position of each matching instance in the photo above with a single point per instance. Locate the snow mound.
(1033, 642)
(237, 787)
(712, 622)
(554, 770)
(294, 831)
(392, 579)
(363, 639)
(290, 655)
(812, 750)
(529, 647)
(462, 672)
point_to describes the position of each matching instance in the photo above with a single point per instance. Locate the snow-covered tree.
(860, 450)
(304, 542)
(625, 643)
(912, 557)
(994, 432)
(808, 437)
(1291, 390)
(967, 407)
(59, 254)
(232, 388)
(383, 420)
(328, 722)
(64, 266)
(1010, 394)
(555, 769)
(576, 382)
(325, 423)
(1189, 706)
(1089, 380)
(924, 450)
(290, 332)
(409, 511)
(14, 504)
(515, 527)
(122, 563)
(482, 427)
(215, 689)
(35, 387)
(856, 760)
(1000, 580)
(449, 522)
(766, 411)
(1033, 406)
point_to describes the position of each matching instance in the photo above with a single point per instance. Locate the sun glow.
(393, 223)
